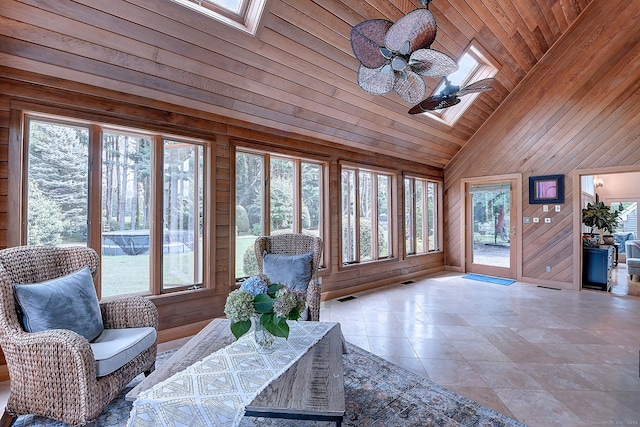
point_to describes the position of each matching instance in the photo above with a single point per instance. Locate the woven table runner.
(215, 391)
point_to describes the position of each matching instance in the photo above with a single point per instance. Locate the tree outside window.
(60, 193)
(274, 194)
(365, 202)
(421, 219)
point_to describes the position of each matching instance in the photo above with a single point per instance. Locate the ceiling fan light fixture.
(376, 81)
(450, 96)
(394, 56)
(410, 87)
(398, 63)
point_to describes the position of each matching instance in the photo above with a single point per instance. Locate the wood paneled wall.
(577, 110)
(22, 90)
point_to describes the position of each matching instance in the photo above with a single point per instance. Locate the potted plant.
(598, 216)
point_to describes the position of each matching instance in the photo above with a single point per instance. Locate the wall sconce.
(598, 182)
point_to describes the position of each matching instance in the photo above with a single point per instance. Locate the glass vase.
(264, 339)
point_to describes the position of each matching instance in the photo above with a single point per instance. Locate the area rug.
(377, 394)
(489, 279)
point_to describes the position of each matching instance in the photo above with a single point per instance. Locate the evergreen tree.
(58, 166)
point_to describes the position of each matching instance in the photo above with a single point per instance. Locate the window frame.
(298, 159)
(392, 217)
(97, 126)
(412, 215)
(485, 69)
(246, 20)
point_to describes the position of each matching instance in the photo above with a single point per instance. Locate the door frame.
(576, 176)
(516, 228)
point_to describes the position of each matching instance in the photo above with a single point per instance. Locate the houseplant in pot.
(598, 216)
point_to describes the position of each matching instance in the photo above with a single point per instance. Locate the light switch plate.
(557, 208)
(545, 208)
(536, 220)
(547, 220)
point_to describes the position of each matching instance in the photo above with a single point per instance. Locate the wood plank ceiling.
(298, 75)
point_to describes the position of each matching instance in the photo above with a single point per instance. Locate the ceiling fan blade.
(418, 27)
(479, 86)
(434, 103)
(432, 63)
(376, 81)
(410, 87)
(366, 40)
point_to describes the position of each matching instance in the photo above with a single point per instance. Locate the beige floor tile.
(600, 408)
(412, 364)
(452, 372)
(523, 352)
(484, 396)
(391, 346)
(504, 375)
(480, 350)
(539, 408)
(435, 349)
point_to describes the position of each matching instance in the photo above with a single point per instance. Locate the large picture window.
(275, 194)
(421, 215)
(142, 208)
(366, 203)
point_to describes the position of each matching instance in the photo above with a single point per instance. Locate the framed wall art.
(546, 189)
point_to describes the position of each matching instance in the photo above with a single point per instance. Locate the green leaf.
(263, 303)
(238, 329)
(294, 314)
(276, 325)
(273, 288)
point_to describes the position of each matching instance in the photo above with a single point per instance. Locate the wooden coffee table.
(311, 389)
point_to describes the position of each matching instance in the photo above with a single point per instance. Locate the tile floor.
(542, 356)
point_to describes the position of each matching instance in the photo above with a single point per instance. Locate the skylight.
(241, 14)
(234, 6)
(473, 66)
(467, 66)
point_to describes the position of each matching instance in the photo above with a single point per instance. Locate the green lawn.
(125, 274)
(242, 243)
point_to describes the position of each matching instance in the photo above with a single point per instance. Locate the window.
(142, 179)
(275, 194)
(240, 14)
(366, 214)
(473, 65)
(421, 215)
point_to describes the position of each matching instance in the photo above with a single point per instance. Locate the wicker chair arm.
(129, 312)
(313, 300)
(47, 368)
(55, 356)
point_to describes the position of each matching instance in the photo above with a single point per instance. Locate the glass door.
(490, 225)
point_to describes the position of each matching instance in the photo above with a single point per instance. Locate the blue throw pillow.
(294, 271)
(68, 302)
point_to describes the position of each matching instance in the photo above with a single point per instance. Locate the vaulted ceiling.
(298, 75)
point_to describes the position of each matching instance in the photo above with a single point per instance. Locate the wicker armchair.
(295, 244)
(53, 373)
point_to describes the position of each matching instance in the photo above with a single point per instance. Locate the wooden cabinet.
(597, 266)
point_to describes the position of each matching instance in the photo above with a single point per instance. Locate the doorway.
(617, 188)
(490, 227)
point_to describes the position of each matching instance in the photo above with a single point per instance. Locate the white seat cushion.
(114, 348)
(633, 262)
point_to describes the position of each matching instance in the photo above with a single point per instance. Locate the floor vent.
(408, 282)
(349, 298)
(549, 287)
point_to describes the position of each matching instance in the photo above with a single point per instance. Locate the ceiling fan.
(395, 56)
(450, 95)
